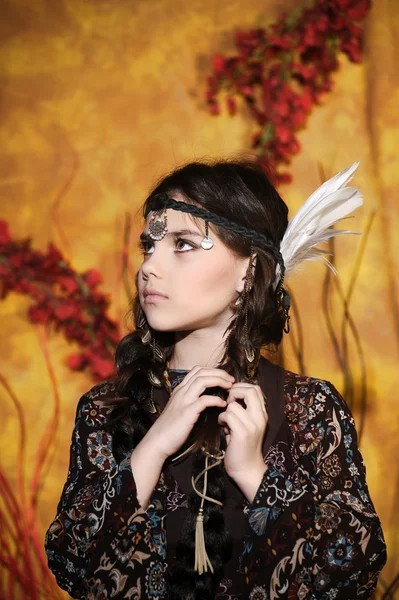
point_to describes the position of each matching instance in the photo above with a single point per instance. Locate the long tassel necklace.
(201, 560)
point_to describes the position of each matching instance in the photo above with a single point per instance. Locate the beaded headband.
(159, 202)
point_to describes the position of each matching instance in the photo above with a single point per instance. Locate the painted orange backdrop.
(98, 100)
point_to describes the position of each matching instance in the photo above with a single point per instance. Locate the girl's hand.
(245, 429)
(172, 428)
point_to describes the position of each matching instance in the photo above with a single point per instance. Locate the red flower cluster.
(64, 299)
(281, 73)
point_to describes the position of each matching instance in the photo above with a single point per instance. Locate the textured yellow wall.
(98, 100)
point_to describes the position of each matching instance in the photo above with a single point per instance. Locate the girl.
(203, 470)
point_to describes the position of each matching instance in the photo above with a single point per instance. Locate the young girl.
(203, 470)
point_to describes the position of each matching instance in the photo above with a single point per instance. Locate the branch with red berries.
(281, 73)
(62, 299)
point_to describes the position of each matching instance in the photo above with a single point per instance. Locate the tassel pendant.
(202, 561)
(201, 557)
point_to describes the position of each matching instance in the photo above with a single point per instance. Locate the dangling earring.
(284, 301)
(206, 242)
(243, 307)
(249, 351)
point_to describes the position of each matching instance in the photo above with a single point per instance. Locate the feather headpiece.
(330, 203)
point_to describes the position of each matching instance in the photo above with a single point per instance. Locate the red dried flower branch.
(281, 73)
(64, 299)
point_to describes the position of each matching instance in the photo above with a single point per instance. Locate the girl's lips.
(153, 298)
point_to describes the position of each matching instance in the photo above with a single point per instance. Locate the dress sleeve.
(348, 546)
(99, 519)
(282, 485)
(345, 547)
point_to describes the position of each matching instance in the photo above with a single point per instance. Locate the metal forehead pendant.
(206, 243)
(157, 227)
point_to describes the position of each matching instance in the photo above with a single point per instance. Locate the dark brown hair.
(241, 191)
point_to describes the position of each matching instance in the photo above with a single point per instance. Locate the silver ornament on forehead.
(157, 227)
(206, 243)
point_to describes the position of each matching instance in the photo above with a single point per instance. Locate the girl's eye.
(145, 245)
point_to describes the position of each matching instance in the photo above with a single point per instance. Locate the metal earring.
(243, 307)
(206, 242)
(249, 351)
(286, 303)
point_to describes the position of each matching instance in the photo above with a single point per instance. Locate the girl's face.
(201, 285)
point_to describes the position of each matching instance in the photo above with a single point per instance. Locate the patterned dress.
(311, 531)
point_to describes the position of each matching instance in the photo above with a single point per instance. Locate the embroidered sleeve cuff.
(120, 488)
(275, 493)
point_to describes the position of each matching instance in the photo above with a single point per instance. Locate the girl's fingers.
(242, 413)
(253, 398)
(233, 422)
(198, 385)
(189, 376)
(214, 378)
(208, 371)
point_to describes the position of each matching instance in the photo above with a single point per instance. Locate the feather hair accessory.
(313, 223)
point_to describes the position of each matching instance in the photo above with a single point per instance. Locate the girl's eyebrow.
(145, 236)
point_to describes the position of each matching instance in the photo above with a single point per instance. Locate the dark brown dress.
(311, 532)
(232, 585)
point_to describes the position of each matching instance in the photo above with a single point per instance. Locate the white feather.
(313, 223)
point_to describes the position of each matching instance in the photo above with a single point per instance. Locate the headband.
(328, 204)
(159, 202)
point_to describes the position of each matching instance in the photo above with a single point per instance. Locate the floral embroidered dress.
(311, 531)
(233, 585)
